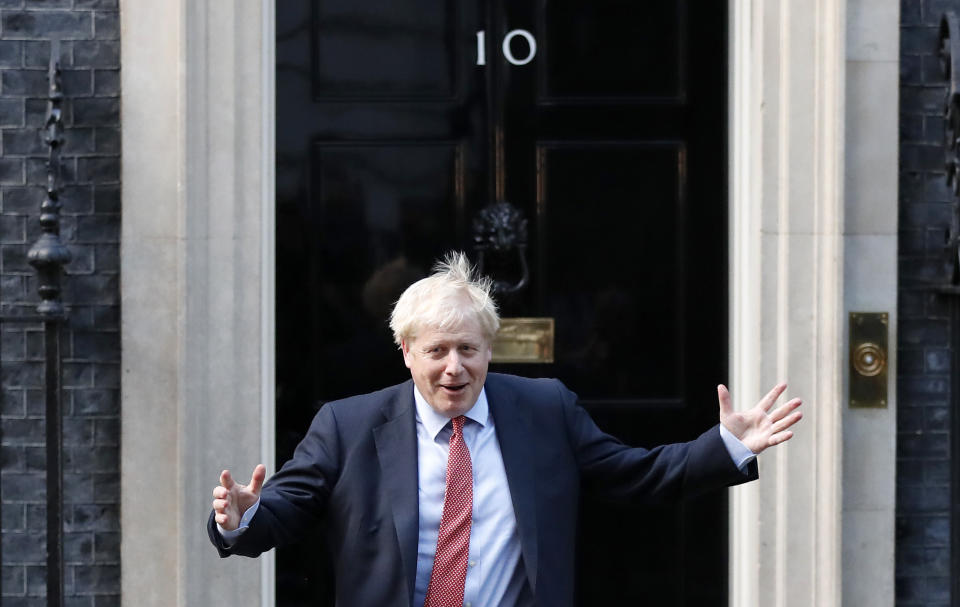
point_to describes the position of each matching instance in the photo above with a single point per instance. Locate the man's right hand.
(231, 499)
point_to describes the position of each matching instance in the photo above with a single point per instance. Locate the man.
(461, 487)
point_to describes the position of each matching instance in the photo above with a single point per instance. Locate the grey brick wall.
(925, 331)
(91, 228)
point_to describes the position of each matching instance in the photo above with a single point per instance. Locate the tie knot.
(458, 424)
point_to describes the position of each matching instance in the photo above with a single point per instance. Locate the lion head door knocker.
(500, 228)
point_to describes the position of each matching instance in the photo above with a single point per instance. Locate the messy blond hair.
(445, 300)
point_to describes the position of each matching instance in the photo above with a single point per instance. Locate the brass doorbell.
(868, 359)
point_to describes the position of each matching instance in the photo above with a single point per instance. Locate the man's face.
(449, 367)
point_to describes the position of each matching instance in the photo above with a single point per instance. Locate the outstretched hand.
(231, 499)
(759, 428)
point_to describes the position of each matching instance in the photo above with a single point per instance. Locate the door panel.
(640, 58)
(383, 49)
(391, 139)
(382, 208)
(611, 250)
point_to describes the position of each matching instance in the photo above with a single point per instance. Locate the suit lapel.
(515, 432)
(396, 441)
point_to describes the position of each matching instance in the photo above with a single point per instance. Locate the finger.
(786, 422)
(782, 412)
(220, 518)
(726, 404)
(220, 492)
(772, 396)
(226, 481)
(780, 437)
(220, 505)
(256, 480)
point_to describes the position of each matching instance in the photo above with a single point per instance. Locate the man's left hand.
(759, 428)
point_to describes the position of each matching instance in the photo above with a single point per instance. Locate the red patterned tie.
(453, 542)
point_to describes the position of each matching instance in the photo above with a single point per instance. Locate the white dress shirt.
(494, 573)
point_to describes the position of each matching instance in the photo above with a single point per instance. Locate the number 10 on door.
(505, 47)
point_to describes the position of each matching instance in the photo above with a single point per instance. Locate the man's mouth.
(454, 388)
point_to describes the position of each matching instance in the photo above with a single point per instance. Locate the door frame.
(197, 294)
(786, 290)
(197, 287)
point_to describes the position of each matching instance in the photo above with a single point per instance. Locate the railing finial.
(48, 255)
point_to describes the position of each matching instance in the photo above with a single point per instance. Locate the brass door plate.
(868, 359)
(524, 340)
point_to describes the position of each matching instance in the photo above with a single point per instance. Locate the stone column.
(787, 292)
(809, 178)
(197, 291)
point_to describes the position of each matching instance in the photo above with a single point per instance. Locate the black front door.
(603, 124)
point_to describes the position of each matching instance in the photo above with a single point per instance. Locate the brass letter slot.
(868, 359)
(524, 340)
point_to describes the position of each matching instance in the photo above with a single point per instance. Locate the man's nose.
(454, 365)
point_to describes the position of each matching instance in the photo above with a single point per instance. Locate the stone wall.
(925, 334)
(89, 30)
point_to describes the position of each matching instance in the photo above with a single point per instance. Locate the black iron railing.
(48, 255)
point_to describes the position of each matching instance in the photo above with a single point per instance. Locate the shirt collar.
(434, 422)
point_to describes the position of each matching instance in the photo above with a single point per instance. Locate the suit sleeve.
(612, 470)
(294, 499)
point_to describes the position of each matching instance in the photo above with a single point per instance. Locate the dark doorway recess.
(611, 141)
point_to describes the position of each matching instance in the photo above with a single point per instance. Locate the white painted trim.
(744, 300)
(268, 326)
(870, 284)
(786, 288)
(151, 115)
(196, 289)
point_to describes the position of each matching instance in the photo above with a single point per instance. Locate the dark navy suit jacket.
(356, 473)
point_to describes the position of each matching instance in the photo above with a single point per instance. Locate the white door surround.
(812, 233)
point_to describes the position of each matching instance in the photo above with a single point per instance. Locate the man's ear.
(407, 357)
